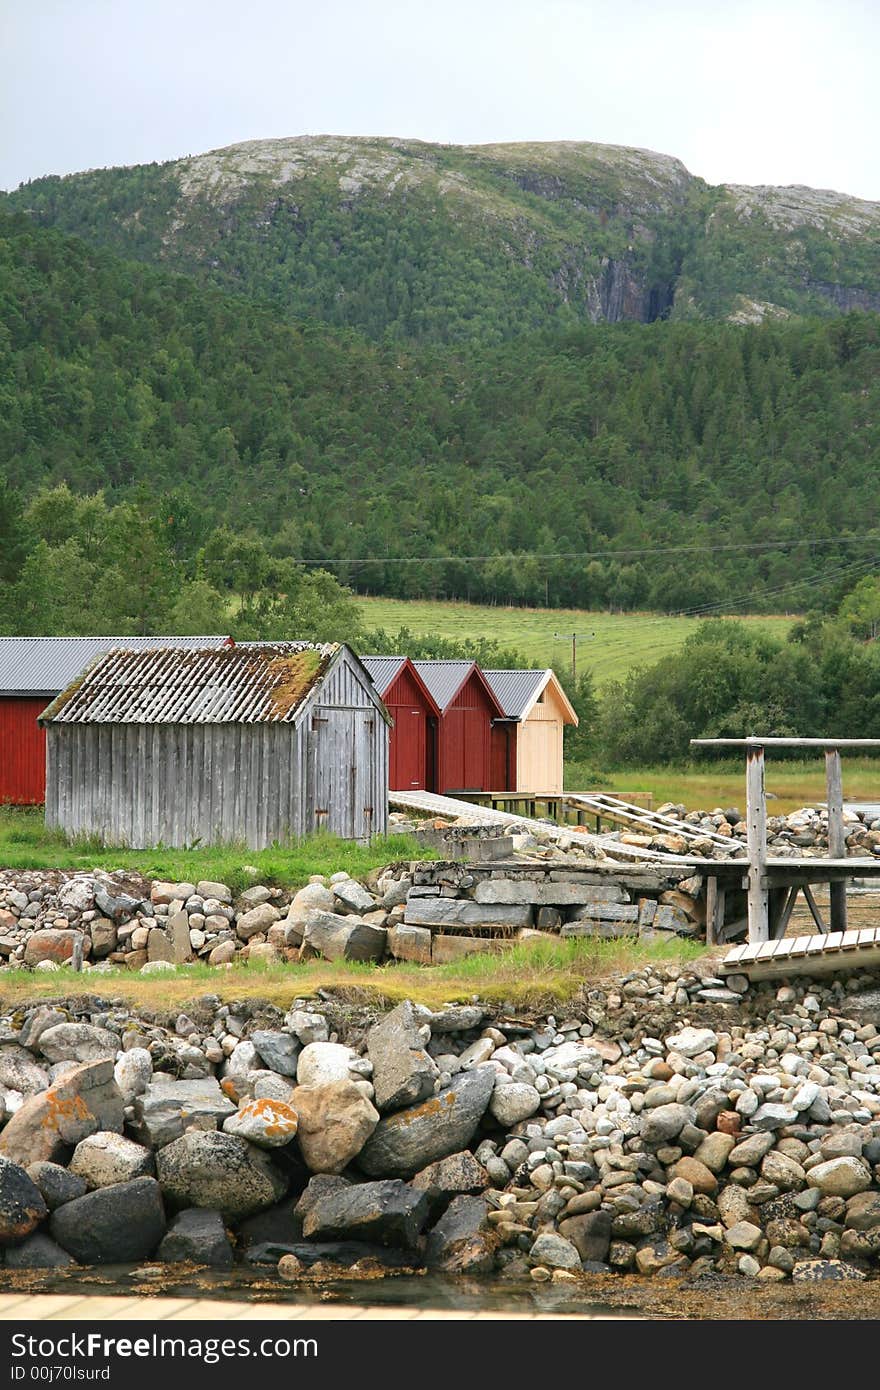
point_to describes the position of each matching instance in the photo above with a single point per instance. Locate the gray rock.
(461, 1242)
(772, 1117)
(113, 1225)
(813, 1271)
(220, 1171)
(278, 1050)
(78, 1042)
(258, 919)
(590, 1234)
(459, 912)
(22, 1207)
(106, 1158)
(387, 1213)
(457, 1175)
(48, 1125)
(19, 1071)
(39, 1251)
(197, 1236)
(513, 1102)
(133, 1072)
(749, 1152)
(118, 907)
(343, 938)
(167, 1108)
(408, 1140)
(322, 1062)
(57, 1184)
(840, 1177)
(354, 896)
(457, 1018)
(555, 1252)
(403, 1073)
(665, 1122)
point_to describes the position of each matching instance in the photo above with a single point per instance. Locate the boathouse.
(248, 744)
(467, 707)
(412, 756)
(527, 747)
(33, 670)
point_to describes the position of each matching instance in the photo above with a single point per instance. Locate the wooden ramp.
(450, 808)
(624, 813)
(821, 954)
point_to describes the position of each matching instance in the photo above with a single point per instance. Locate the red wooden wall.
(22, 750)
(504, 757)
(465, 740)
(411, 754)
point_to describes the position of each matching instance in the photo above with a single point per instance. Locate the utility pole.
(574, 637)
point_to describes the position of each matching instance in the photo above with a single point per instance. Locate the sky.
(743, 91)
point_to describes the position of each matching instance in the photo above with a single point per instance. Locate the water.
(596, 1295)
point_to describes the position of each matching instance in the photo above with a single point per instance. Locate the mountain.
(409, 241)
(655, 465)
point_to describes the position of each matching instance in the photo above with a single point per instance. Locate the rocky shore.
(668, 1124)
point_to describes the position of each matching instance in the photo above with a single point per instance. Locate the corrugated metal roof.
(46, 665)
(258, 684)
(516, 690)
(444, 679)
(383, 670)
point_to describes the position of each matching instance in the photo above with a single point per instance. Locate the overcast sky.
(745, 91)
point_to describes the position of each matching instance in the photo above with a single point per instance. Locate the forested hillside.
(655, 465)
(408, 241)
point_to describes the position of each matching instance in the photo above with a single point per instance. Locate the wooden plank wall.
(175, 784)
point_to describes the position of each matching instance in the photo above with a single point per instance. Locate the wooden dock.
(821, 954)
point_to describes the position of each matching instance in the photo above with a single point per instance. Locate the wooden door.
(342, 772)
(408, 748)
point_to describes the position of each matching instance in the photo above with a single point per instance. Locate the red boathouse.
(415, 713)
(33, 670)
(467, 707)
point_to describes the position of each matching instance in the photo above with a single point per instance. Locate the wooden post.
(77, 962)
(711, 908)
(756, 815)
(836, 835)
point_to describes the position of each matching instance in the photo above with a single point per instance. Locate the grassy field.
(26, 844)
(790, 785)
(609, 644)
(527, 976)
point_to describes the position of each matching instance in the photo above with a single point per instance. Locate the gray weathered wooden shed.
(250, 744)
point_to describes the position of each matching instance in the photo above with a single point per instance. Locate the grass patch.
(530, 975)
(25, 843)
(790, 785)
(621, 640)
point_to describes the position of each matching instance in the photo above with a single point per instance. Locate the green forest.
(670, 466)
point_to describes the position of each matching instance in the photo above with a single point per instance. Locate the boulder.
(590, 1234)
(403, 1073)
(665, 1122)
(408, 1140)
(336, 937)
(220, 1171)
(514, 1101)
(354, 896)
(462, 1242)
(78, 1042)
(22, 1207)
(335, 1121)
(107, 1158)
(458, 1175)
(39, 1251)
(258, 919)
(863, 1211)
(112, 1225)
(207, 888)
(555, 1252)
(385, 1213)
(132, 1072)
(279, 1051)
(815, 1271)
(196, 1236)
(48, 1125)
(321, 1062)
(840, 1177)
(268, 1123)
(410, 944)
(167, 1108)
(19, 1071)
(57, 1184)
(52, 944)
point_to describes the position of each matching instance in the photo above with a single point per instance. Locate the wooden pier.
(773, 884)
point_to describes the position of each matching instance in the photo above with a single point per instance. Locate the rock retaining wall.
(666, 1123)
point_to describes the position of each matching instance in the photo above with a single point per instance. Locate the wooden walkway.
(820, 954)
(76, 1307)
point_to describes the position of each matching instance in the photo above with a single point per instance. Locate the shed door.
(408, 748)
(342, 768)
(466, 734)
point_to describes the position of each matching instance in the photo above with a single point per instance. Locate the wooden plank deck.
(820, 954)
(102, 1308)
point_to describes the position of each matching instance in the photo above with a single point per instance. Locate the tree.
(861, 608)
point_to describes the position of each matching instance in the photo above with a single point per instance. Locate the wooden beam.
(756, 817)
(711, 908)
(836, 834)
(811, 904)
